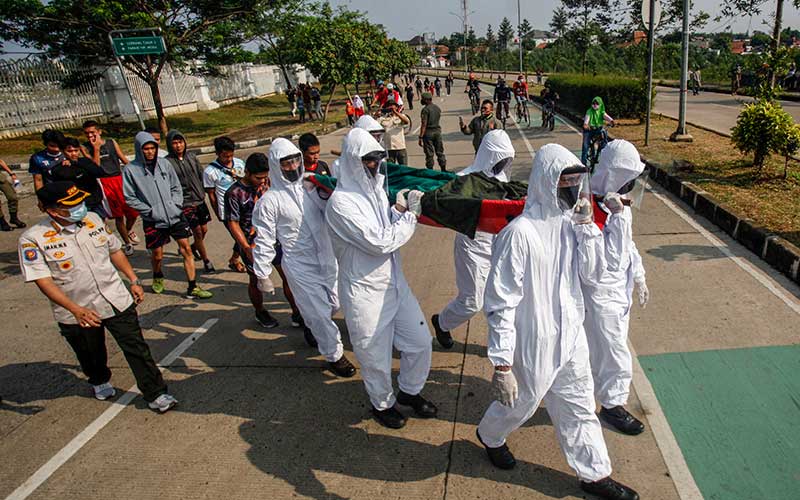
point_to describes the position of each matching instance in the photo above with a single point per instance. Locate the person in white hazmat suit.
(608, 303)
(472, 256)
(371, 125)
(535, 312)
(379, 307)
(287, 213)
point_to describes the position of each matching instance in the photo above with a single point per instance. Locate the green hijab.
(596, 115)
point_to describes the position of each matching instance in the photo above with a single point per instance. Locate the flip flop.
(237, 267)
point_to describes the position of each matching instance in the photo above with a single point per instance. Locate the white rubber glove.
(266, 286)
(401, 198)
(504, 385)
(415, 202)
(613, 202)
(642, 291)
(307, 184)
(583, 212)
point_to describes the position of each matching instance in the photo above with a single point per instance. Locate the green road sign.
(138, 45)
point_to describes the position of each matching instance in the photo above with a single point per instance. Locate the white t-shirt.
(220, 179)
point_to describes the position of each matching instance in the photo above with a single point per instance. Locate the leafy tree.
(585, 24)
(78, 30)
(491, 41)
(762, 128)
(671, 17)
(505, 33)
(560, 21)
(525, 29)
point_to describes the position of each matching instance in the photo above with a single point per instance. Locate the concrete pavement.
(260, 417)
(712, 110)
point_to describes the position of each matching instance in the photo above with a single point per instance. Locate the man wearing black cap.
(74, 259)
(430, 132)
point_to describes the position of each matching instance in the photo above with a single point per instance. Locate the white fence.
(34, 94)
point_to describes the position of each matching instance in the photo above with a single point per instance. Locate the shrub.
(762, 128)
(623, 97)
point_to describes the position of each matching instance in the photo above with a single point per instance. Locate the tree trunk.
(328, 105)
(156, 93)
(347, 91)
(776, 40)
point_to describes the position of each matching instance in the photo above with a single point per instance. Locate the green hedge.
(623, 97)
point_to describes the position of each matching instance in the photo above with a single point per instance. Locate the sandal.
(236, 266)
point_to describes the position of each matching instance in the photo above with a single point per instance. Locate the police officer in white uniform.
(73, 258)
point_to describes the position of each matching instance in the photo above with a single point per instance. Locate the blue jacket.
(157, 197)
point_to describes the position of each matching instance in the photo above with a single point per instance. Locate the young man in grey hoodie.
(190, 173)
(153, 189)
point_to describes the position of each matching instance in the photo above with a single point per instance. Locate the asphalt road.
(712, 110)
(260, 417)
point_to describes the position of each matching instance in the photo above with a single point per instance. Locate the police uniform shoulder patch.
(28, 245)
(31, 255)
(50, 234)
(58, 255)
(89, 224)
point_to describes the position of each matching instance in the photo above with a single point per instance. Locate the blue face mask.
(77, 213)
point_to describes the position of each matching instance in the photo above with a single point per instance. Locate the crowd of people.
(556, 285)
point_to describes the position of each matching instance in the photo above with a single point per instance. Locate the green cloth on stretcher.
(450, 200)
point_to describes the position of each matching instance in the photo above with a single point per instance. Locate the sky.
(406, 18)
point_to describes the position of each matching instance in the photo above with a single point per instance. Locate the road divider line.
(670, 450)
(51, 466)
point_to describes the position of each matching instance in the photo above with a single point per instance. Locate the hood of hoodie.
(281, 148)
(368, 123)
(171, 135)
(140, 140)
(619, 163)
(495, 146)
(548, 164)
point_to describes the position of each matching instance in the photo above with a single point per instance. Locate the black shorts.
(157, 237)
(197, 215)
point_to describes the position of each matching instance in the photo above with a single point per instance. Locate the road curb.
(770, 247)
(252, 143)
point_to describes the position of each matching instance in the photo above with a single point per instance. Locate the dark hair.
(307, 140)
(487, 101)
(90, 123)
(153, 130)
(52, 136)
(70, 141)
(256, 163)
(223, 144)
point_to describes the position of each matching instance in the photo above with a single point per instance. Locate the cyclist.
(594, 124)
(520, 88)
(549, 99)
(473, 90)
(502, 96)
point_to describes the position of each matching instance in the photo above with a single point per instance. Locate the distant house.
(638, 37)
(740, 47)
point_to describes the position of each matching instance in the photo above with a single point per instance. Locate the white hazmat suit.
(534, 308)
(472, 257)
(287, 213)
(365, 122)
(608, 303)
(379, 307)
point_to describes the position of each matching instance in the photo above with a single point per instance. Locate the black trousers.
(89, 345)
(398, 156)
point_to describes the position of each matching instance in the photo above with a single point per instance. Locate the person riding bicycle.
(502, 96)
(520, 89)
(593, 125)
(549, 99)
(473, 89)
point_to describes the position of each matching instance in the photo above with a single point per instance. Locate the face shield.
(633, 191)
(374, 162)
(291, 167)
(501, 165)
(377, 135)
(573, 185)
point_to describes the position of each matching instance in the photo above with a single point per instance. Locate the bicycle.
(596, 144)
(475, 100)
(502, 112)
(522, 111)
(549, 114)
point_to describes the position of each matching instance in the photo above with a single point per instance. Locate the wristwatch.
(136, 282)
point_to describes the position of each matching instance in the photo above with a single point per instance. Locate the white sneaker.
(163, 403)
(104, 391)
(134, 239)
(127, 250)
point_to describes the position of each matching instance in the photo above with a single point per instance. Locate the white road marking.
(531, 151)
(68, 451)
(662, 432)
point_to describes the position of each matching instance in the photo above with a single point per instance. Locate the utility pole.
(519, 34)
(466, 49)
(680, 135)
(651, 36)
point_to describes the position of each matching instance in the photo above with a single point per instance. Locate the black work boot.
(619, 418)
(444, 337)
(343, 367)
(310, 340)
(501, 457)
(422, 407)
(608, 488)
(15, 220)
(391, 417)
(4, 225)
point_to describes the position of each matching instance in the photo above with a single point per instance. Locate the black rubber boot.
(15, 220)
(501, 457)
(620, 419)
(343, 367)
(4, 225)
(391, 418)
(444, 337)
(608, 488)
(422, 407)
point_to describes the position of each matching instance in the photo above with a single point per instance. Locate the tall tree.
(671, 18)
(585, 25)
(491, 41)
(505, 34)
(78, 30)
(560, 21)
(525, 29)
